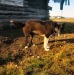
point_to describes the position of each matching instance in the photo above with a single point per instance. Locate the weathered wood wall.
(31, 9)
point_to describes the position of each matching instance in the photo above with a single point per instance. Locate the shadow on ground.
(69, 28)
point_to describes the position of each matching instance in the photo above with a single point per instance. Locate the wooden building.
(23, 10)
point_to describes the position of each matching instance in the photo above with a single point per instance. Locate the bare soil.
(15, 45)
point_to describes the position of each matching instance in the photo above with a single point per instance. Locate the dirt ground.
(14, 45)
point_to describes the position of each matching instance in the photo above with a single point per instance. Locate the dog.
(39, 27)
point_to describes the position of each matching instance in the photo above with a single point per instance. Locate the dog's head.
(59, 27)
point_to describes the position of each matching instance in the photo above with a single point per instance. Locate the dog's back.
(36, 26)
(39, 27)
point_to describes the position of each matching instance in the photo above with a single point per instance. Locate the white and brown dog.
(42, 28)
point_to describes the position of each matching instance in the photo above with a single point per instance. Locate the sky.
(68, 10)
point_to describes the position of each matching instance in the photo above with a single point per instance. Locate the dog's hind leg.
(26, 32)
(26, 40)
(31, 40)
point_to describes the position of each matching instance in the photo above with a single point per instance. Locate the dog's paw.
(33, 45)
(47, 48)
(26, 46)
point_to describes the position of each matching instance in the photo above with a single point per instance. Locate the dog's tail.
(17, 23)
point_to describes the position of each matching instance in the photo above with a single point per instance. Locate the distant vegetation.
(63, 19)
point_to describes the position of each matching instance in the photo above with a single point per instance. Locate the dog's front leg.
(58, 32)
(46, 47)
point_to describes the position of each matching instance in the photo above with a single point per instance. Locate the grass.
(58, 61)
(59, 64)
